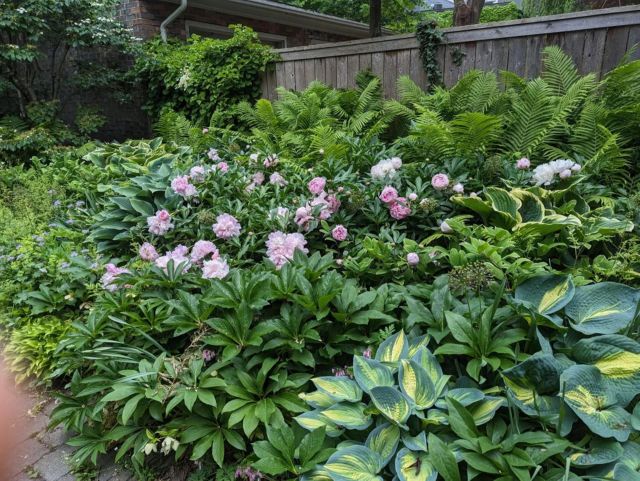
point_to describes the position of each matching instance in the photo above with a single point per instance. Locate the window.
(218, 31)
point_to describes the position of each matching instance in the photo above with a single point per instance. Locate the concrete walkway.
(40, 455)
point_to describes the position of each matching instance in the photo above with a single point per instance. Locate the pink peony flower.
(147, 252)
(213, 155)
(445, 227)
(202, 249)
(339, 233)
(303, 216)
(111, 275)
(333, 203)
(388, 194)
(280, 212)
(523, 163)
(222, 167)
(182, 187)
(412, 196)
(458, 188)
(316, 185)
(197, 174)
(440, 181)
(160, 223)
(399, 210)
(226, 226)
(258, 178)
(270, 161)
(205, 130)
(277, 179)
(413, 259)
(281, 247)
(215, 269)
(177, 255)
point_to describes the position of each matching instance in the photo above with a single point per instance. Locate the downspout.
(171, 18)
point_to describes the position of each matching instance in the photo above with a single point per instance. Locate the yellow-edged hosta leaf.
(600, 451)
(604, 308)
(393, 348)
(384, 440)
(317, 399)
(313, 420)
(429, 363)
(392, 404)
(416, 384)
(587, 393)
(417, 343)
(340, 388)
(483, 411)
(412, 466)
(370, 373)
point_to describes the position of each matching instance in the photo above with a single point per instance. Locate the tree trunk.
(467, 13)
(375, 18)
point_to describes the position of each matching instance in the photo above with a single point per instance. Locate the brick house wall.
(145, 17)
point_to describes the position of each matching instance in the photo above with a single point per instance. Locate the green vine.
(457, 56)
(429, 39)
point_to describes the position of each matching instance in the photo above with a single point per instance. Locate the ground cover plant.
(350, 288)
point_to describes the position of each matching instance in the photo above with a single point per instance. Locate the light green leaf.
(355, 463)
(392, 404)
(339, 388)
(384, 440)
(393, 348)
(348, 415)
(416, 384)
(370, 373)
(412, 466)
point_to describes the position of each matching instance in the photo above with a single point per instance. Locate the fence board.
(596, 40)
(634, 41)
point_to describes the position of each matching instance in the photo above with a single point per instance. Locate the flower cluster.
(398, 206)
(182, 187)
(323, 205)
(248, 474)
(386, 168)
(214, 268)
(109, 278)
(226, 226)
(442, 182)
(179, 256)
(281, 247)
(545, 174)
(160, 223)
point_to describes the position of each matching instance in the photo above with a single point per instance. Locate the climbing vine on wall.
(429, 38)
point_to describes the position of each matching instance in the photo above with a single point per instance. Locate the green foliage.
(538, 8)
(204, 78)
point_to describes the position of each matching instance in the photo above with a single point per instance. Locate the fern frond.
(560, 71)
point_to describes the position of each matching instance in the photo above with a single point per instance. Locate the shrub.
(204, 78)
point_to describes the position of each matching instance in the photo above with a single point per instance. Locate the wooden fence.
(596, 40)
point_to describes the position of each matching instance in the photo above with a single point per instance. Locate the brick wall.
(145, 17)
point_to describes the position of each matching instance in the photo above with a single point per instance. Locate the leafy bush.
(204, 78)
(490, 13)
(455, 272)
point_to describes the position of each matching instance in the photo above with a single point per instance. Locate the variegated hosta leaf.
(540, 372)
(484, 411)
(600, 451)
(505, 206)
(319, 474)
(548, 293)
(313, 420)
(393, 348)
(622, 471)
(370, 373)
(355, 463)
(384, 440)
(412, 466)
(532, 208)
(587, 394)
(631, 455)
(464, 395)
(618, 360)
(392, 404)
(429, 363)
(340, 388)
(551, 223)
(417, 343)
(416, 385)
(415, 443)
(317, 399)
(437, 417)
(604, 308)
(349, 415)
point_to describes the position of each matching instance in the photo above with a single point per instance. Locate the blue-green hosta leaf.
(417, 343)
(483, 411)
(392, 404)
(600, 451)
(464, 395)
(540, 372)
(429, 363)
(531, 208)
(340, 388)
(623, 472)
(416, 384)
(317, 399)
(384, 440)
(313, 420)
(393, 348)
(551, 223)
(348, 415)
(504, 205)
(412, 466)
(604, 308)
(618, 360)
(631, 455)
(355, 463)
(547, 293)
(370, 373)
(415, 443)
(319, 474)
(587, 394)
(437, 417)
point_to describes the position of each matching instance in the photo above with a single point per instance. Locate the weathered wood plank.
(309, 71)
(280, 74)
(365, 62)
(390, 74)
(289, 76)
(342, 75)
(298, 68)
(634, 41)
(484, 51)
(353, 67)
(533, 57)
(615, 47)
(319, 69)
(331, 72)
(377, 64)
(417, 73)
(404, 63)
(517, 56)
(593, 51)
